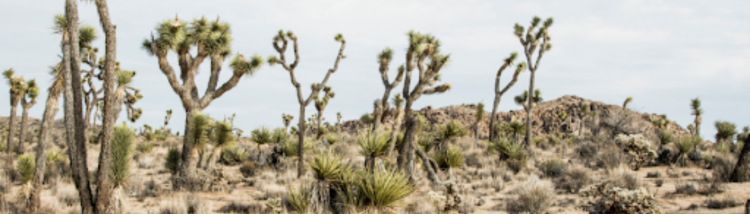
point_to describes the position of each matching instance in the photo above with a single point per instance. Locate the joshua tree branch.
(231, 83)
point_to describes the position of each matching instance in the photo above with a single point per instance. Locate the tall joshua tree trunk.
(214, 44)
(45, 130)
(32, 90)
(283, 40)
(530, 43)
(499, 93)
(421, 48)
(398, 117)
(741, 162)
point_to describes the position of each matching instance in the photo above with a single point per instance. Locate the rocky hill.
(609, 120)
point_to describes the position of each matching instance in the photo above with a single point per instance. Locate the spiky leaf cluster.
(246, 66)
(200, 126)
(480, 112)
(121, 152)
(26, 167)
(450, 130)
(279, 135)
(326, 166)
(385, 188)
(449, 158)
(210, 37)
(373, 144)
(222, 133)
(299, 198)
(725, 130)
(262, 136)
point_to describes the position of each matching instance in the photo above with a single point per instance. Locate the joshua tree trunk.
(73, 105)
(406, 152)
(24, 123)
(530, 109)
(741, 162)
(499, 93)
(531, 42)
(189, 162)
(8, 148)
(398, 118)
(301, 141)
(377, 114)
(45, 130)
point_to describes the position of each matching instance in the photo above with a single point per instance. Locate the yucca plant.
(426, 142)
(724, 131)
(665, 137)
(299, 198)
(232, 153)
(373, 146)
(172, 162)
(385, 188)
(327, 168)
(261, 136)
(279, 135)
(348, 189)
(221, 136)
(686, 144)
(332, 138)
(695, 105)
(447, 132)
(449, 158)
(121, 154)
(517, 128)
(25, 168)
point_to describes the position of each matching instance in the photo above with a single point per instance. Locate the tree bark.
(741, 162)
(45, 130)
(24, 124)
(530, 108)
(406, 152)
(189, 164)
(301, 141)
(398, 118)
(8, 148)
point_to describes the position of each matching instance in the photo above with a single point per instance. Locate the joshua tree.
(584, 112)
(27, 101)
(695, 104)
(744, 135)
(45, 130)
(478, 117)
(423, 54)
(17, 88)
(286, 118)
(499, 93)
(741, 161)
(338, 122)
(530, 42)
(517, 128)
(167, 118)
(280, 43)
(523, 100)
(373, 146)
(320, 105)
(221, 136)
(627, 101)
(691, 129)
(725, 131)
(384, 59)
(398, 116)
(212, 39)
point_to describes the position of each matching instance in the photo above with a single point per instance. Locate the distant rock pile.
(609, 120)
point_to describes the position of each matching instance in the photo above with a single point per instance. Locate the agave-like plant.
(332, 138)
(449, 131)
(373, 146)
(290, 147)
(261, 136)
(725, 131)
(517, 128)
(121, 150)
(26, 166)
(326, 165)
(299, 198)
(449, 158)
(686, 144)
(385, 188)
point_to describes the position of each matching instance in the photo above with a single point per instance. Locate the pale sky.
(662, 53)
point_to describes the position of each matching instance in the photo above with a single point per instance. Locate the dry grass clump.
(244, 208)
(574, 179)
(685, 189)
(187, 204)
(722, 167)
(609, 159)
(624, 177)
(535, 196)
(721, 202)
(67, 195)
(553, 168)
(606, 198)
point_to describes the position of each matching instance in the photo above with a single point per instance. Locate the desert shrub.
(426, 142)
(385, 188)
(172, 164)
(638, 149)
(587, 150)
(711, 187)
(332, 138)
(196, 205)
(624, 178)
(68, 196)
(299, 198)
(722, 167)
(685, 189)
(724, 131)
(172, 208)
(535, 197)
(449, 131)
(233, 154)
(262, 136)
(539, 142)
(373, 145)
(605, 198)
(26, 167)
(279, 135)
(326, 166)
(290, 146)
(366, 119)
(145, 147)
(239, 207)
(573, 180)
(659, 182)
(121, 152)
(684, 145)
(449, 158)
(552, 168)
(721, 203)
(609, 159)
(665, 137)
(248, 169)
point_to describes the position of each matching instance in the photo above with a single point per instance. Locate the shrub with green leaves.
(173, 160)
(425, 142)
(665, 137)
(449, 158)
(279, 135)
(121, 151)
(299, 198)
(290, 147)
(145, 147)
(724, 131)
(26, 167)
(449, 131)
(200, 125)
(373, 145)
(261, 136)
(553, 168)
(233, 154)
(326, 166)
(684, 145)
(385, 188)
(332, 138)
